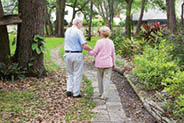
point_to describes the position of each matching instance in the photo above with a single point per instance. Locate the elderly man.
(74, 44)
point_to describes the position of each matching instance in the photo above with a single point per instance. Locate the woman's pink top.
(104, 52)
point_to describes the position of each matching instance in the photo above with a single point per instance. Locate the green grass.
(12, 39)
(13, 102)
(50, 44)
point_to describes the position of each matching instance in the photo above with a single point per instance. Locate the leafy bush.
(95, 22)
(122, 23)
(85, 23)
(179, 105)
(129, 48)
(118, 37)
(124, 46)
(98, 22)
(11, 71)
(175, 88)
(153, 33)
(155, 65)
(178, 43)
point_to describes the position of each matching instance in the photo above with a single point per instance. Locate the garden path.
(110, 111)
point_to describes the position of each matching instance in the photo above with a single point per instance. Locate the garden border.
(152, 107)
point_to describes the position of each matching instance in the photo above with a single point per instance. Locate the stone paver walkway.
(110, 111)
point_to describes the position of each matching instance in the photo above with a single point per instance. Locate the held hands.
(89, 48)
(86, 47)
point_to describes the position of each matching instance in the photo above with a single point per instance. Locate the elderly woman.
(104, 61)
(74, 45)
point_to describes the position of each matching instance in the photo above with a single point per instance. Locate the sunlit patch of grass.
(12, 39)
(51, 43)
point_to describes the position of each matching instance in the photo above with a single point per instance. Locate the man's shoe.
(78, 96)
(69, 94)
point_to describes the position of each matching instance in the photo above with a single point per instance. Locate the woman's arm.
(95, 50)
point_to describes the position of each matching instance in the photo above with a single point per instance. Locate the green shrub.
(175, 88)
(98, 22)
(153, 34)
(122, 23)
(179, 105)
(85, 23)
(178, 43)
(11, 71)
(124, 46)
(129, 48)
(118, 37)
(155, 65)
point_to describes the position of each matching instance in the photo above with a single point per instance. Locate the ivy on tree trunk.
(32, 15)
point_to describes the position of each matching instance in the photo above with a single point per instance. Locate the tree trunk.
(4, 41)
(182, 7)
(74, 12)
(60, 10)
(32, 15)
(90, 21)
(140, 18)
(128, 25)
(171, 16)
(111, 14)
(48, 22)
(46, 27)
(167, 5)
(62, 17)
(58, 18)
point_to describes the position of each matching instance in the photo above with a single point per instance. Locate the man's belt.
(66, 51)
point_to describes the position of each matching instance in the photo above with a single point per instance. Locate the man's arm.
(86, 47)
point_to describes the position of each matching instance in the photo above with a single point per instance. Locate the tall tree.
(60, 12)
(32, 15)
(111, 7)
(48, 23)
(77, 6)
(106, 9)
(90, 21)
(141, 16)
(128, 25)
(182, 7)
(4, 40)
(171, 16)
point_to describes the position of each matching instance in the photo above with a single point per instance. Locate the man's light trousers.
(74, 71)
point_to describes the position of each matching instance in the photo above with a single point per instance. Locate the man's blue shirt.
(74, 38)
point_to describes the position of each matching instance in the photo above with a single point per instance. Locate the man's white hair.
(76, 21)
